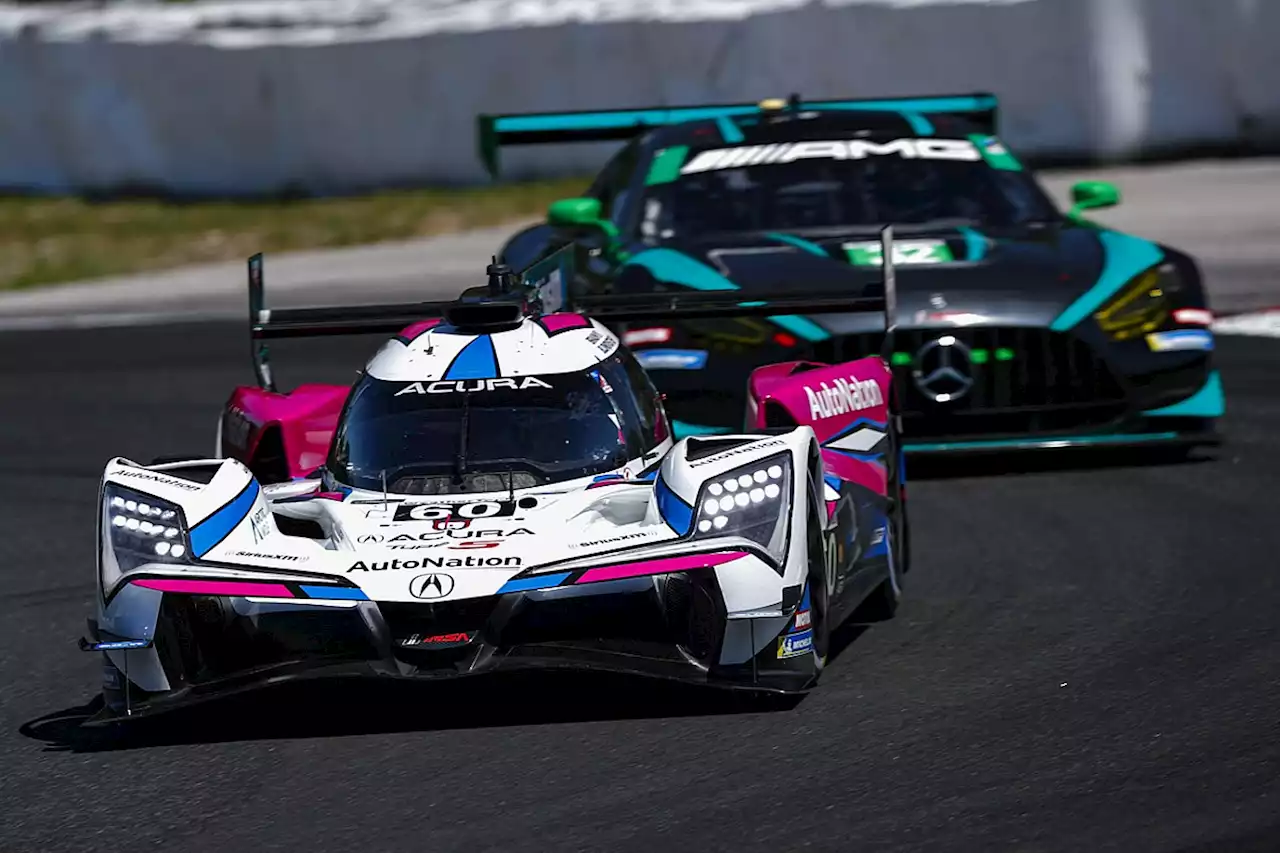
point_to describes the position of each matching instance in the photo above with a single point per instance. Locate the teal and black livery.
(495, 132)
(1020, 324)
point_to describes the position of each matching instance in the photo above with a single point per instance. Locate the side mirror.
(574, 213)
(583, 214)
(1092, 195)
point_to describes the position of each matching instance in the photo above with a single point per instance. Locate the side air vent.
(776, 416)
(703, 447)
(194, 473)
(303, 527)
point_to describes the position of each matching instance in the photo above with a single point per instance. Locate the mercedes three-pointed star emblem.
(943, 369)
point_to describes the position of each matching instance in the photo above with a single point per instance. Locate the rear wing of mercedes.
(495, 132)
(545, 287)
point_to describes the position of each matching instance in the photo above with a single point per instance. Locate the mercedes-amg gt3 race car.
(500, 489)
(1021, 326)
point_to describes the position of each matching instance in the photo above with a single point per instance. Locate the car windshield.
(478, 435)
(830, 187)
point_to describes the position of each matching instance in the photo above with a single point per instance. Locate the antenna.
(259, 313)
(385, 501)
(890, 277)
(511, 484)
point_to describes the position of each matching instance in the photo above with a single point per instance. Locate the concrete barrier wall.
(210, 115)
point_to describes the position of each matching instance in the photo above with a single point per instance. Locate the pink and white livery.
(498, 489)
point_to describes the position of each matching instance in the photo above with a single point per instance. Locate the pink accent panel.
(411, 333)
(660, 566)
(831, 508)
(559, 322)
(870, 475)
(661, 429)
(202, 587)
(306, 418)
(828, 398)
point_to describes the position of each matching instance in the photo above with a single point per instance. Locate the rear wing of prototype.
(544, 287)
(495, 132)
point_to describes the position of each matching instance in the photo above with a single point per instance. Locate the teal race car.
(1020, 325)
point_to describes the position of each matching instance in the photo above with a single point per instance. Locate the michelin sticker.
(834, 149)
(794, 645)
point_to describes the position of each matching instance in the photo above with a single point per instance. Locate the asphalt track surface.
(1088, 660)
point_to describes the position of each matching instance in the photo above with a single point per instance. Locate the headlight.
(753, 501)
(1142, 306)
(139, 529)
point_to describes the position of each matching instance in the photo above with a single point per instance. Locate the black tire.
(819, 595)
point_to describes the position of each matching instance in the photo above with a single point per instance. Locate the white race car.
(500, 489)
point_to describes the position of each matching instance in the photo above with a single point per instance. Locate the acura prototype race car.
(1021, 326)
(500, 489)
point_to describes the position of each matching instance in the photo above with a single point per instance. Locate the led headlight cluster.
(753, 501)
(1142, 306)
(142, 529)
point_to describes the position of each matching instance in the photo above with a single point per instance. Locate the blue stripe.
(476, 361)
(730, 131)
(539, 582)
(675, 512)
(975, 245)
(880, 548)
(1125, 258)
(832, 480)
(861, 457)
(1208, 402)
(211, 531)
(672, 359)
(858, 424)
(336, 593)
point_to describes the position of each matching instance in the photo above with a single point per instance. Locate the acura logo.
(431, 586)
(942, 371)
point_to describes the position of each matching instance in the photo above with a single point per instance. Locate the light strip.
(203, 587)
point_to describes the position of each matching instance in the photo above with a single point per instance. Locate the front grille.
(1023, 380)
